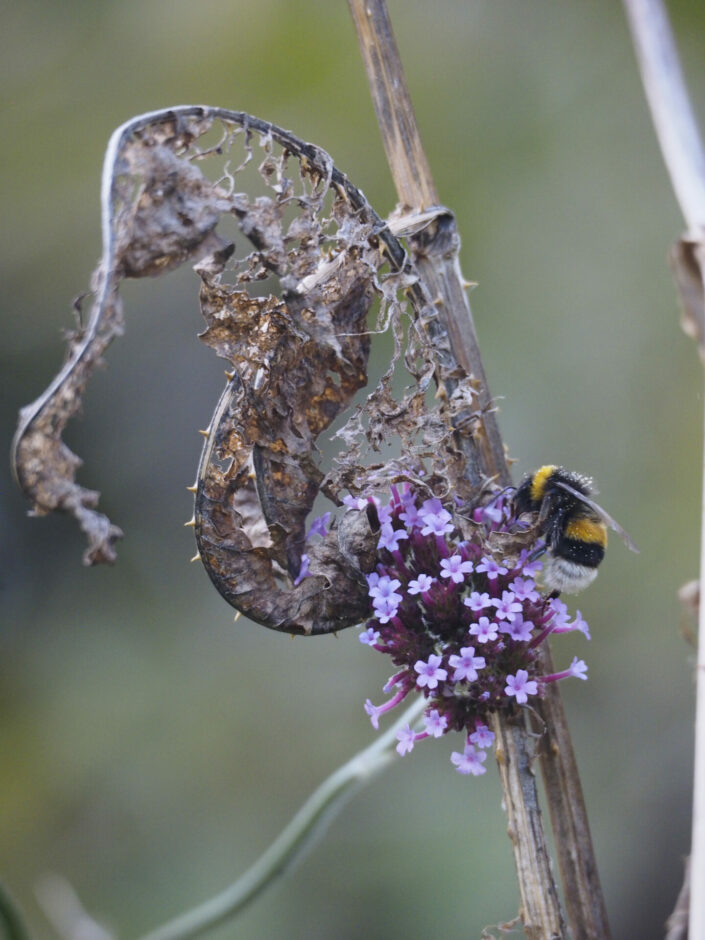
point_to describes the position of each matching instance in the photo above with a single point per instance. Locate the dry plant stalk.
(684, 155)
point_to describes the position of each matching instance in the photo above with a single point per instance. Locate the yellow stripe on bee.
(585, 530)
(539, 481)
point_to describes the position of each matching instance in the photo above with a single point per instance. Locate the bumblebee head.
(522, 498)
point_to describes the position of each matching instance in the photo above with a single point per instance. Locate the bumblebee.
(573, 526)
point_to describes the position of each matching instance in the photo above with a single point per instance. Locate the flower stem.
(541, 910)
(303, 830)
(671, 110)
(12, 924)
(684, 155)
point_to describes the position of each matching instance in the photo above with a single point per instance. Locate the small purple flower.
(370, 636)
(482, 736)
(507, 606)
(529, 567)
(407, 497)
(390, 537)
(577, 669)
(484, 630)
(561, 624)
(435, 723)
(518, 629)
(407, 739)
(374, 711)
(319, 526)
(455, 568)
(423, 572)
(355, 502)
(524, 589)
(386, 607)
(384, 514)
(493, 512)
(303, 570)
(466, 665)
(490, 567)
(436, 519)
(383, 587)
(580, 624)
(430, 673)
(421, 584)
(470, 761)
(477, 602)
(393, 681)
(520, 686)
(410, 515)
(561, 617)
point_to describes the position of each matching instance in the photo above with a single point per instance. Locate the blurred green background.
(150, 748)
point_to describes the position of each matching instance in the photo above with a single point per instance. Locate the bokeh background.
(150, 749)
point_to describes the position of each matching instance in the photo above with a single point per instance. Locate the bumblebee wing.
(612, 523)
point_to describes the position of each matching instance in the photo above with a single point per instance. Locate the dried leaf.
(687, 258)
(299, 356)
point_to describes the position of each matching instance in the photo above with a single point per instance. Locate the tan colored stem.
(395, 113)
(436, 246)
(435, 251)
(540, 908)
(585, 904)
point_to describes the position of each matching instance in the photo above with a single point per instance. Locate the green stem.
(10, 918)
(301, 832)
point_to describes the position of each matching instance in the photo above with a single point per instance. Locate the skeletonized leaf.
(288, 306)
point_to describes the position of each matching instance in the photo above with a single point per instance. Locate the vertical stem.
(540, 910)
(684, 155)
(585, 904)
(671, 111)
(436, 247)
(435, 250)
(696, 927)
(10, 917)
(395, 113)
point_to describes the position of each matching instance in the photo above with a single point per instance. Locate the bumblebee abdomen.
(575, 555)
(560, 574)
(589, 554)
(584, 529)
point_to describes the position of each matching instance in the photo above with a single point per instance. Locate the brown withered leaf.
(297, 365)
(288, 307)
(157, 214)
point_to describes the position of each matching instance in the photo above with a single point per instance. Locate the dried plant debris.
(687, 259)
(290, 314)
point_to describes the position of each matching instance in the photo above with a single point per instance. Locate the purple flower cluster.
(461, 625)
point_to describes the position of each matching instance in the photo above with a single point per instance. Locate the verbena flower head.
(461, 623)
